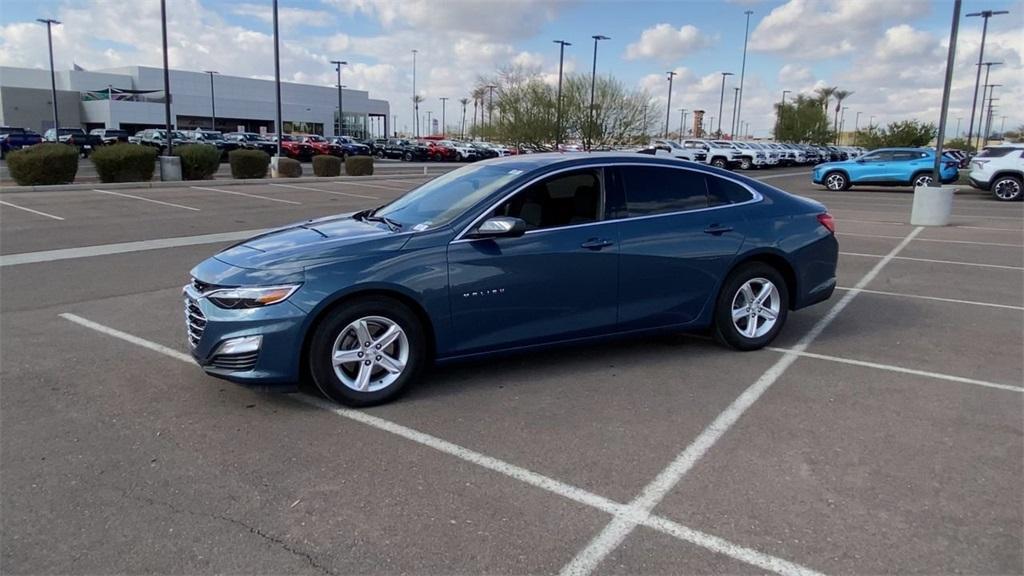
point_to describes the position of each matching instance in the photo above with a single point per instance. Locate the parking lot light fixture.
(213, 101)
(593, 81)
(743, 67)
(856, 130)
(558, 99)
(277, 80)
(444, 100)
(721, 100)
(985, 15)
(842, 122)
(778, 115)
(950, 61)
(668, 106)
(53, 78)
(682, 122)
(988, 67)
(415, 103)
(341, 103)
(735, 100)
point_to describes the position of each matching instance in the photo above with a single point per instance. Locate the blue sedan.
(886, 167)
(511, 254)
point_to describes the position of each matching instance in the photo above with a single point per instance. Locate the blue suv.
(885, 167)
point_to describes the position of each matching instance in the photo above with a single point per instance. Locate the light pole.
(558, 104)
(735, 100)
(981, 117)
(430, 127)
(213, 101)
(985, 15)
(856, 130)
(341, 106)
(957, 134)
(462, 130)
(167, 80)
(53, 78)
(986, 118)
(778, 117)
(444, 100)
(721, 100)
(1002, 128)
(950, 60)
(668, 107)
(593, 80)
(682, 121)
(277, 81)
(743, 68)
(415, 104)
(842, 122)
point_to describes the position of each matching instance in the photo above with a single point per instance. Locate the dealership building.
(132, 98)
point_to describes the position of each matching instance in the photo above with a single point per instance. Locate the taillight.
(827, 221)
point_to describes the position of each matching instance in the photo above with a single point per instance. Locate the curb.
(434, 171)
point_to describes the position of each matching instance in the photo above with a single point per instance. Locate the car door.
(555, 282)
(676, 242)
(905, 163)
(873, 167)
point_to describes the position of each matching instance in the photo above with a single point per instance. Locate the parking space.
(881, 433)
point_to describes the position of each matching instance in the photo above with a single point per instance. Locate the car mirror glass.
(500, 227)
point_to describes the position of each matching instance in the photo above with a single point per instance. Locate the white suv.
(1001, 170)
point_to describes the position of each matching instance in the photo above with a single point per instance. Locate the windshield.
(443, 199)
(212, 135)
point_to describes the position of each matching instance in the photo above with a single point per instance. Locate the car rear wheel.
(1007, 189)
(407, 157)
(752, 307)
(719, 163)
(367, 351)
(745, 164)
(836, 181)
(922, 179)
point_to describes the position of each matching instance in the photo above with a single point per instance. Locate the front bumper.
(276, 361)
(980, 184)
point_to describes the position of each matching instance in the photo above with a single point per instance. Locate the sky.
(890, 53)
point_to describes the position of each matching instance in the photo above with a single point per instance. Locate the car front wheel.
(367, 351)
(752, 307)
(922, 180)
(745, 164)
(836, 181)
(719, 163)
(1007, 189)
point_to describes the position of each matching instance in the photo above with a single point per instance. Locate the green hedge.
(359, 166)
(288, 168)
(43, 164)
(324, 165)
(248, 163)
(198, 161)
(125, 162)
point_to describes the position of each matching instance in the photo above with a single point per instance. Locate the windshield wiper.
(369, 216)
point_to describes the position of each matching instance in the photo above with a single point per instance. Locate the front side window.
(562, 200)
(656, 190)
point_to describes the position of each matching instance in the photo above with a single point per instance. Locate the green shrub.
(43, 164)
(248, 163)
(324, 165)
(359, 165)
(125, 162)
(288, 168)
(198, 161)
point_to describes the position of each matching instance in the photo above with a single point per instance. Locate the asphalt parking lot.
(882, 432)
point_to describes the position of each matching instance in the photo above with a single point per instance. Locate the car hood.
(312, 242)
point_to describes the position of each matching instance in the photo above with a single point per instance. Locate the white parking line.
(780, 175)
(145, 199)
(936, 298)
(568, 491)
(30, 210)
(232, 192)
(955, 262)
(350, 183)
(324, 191)
(620, 527)
(892, 223)
(900, 369)
(1019, 246)
(124, 247)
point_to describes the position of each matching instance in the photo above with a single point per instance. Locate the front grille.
(195, 322)
(235, 362)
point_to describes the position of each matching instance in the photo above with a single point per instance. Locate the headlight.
(239, 298)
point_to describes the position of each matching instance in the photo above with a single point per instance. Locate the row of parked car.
(440, 150)
(747, 155)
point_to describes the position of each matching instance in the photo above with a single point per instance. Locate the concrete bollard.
(273, 166)
(932, 205)
(170, 169)
(424, 170)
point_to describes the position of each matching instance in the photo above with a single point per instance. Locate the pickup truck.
(672, 149)
(109, 136)
(293, 148)
(213, 138)
(718, 156)
(321, 146)
(74, 137)
(16, 139)
(155, 137)
(252, 141)
(350, 147)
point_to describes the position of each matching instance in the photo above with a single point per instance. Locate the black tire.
(407, 157)
(330, 328)
(719, 163)
(1008, 189)
(380, 154)
(746, 164)
(841, 182)
(726, 331)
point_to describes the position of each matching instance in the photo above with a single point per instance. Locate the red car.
(440, 152)
(293, 148)
(321, 145)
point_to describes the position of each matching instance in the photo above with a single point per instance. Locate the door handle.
(717, 230)
(596, 244)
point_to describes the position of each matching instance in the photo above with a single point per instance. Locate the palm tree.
(840, 96)
(478, 95)
(463, 101)
(824, 93)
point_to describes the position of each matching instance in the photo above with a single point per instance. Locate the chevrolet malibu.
(511, 254)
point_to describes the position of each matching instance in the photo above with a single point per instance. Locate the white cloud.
(287, 17)
(793, 74)
(665, 43)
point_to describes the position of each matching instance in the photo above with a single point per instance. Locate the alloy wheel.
(923, 180)
(755, 307)
(835, 182)
(370, 354)
(1007, 189)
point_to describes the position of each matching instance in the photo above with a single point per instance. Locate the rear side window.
(722, 191)
(654, 190)
(995, 152)
(904, 156)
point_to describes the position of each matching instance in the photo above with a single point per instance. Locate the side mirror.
(500, 227)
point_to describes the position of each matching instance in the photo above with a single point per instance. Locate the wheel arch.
(775, 259)
(1004, 173)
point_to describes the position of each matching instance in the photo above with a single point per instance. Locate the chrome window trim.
(756, 197)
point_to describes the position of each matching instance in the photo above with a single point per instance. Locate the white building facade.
(132, 98)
